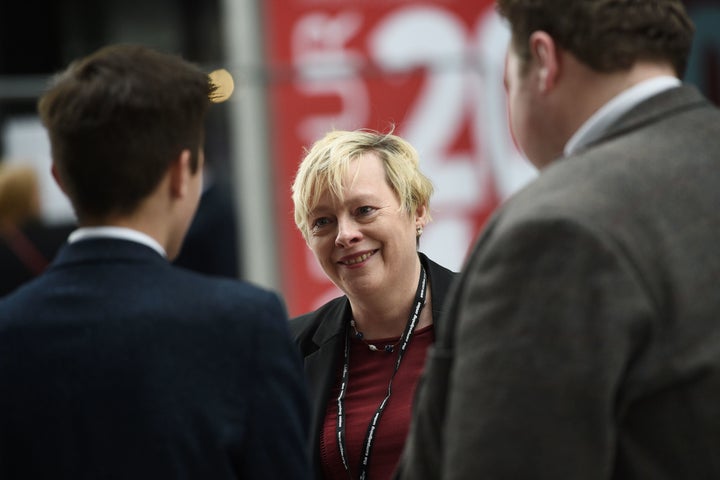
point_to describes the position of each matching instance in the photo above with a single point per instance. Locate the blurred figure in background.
(582, 340)
(26, 243)
(114, 363)
(211, 244)
(361, 203)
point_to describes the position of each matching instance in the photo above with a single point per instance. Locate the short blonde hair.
(19, 194)
(326, 164)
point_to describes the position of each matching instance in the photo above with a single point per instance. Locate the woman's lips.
(357, 259)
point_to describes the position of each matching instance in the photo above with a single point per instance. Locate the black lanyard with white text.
(370, 435)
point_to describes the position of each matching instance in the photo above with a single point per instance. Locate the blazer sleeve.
(279, 413)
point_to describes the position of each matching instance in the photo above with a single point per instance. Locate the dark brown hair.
(606, 35)
(117, 119)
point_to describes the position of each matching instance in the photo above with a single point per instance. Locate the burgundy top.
(369, 375)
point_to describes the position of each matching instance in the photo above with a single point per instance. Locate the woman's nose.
(348, 232)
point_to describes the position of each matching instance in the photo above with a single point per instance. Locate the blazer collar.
(337, 313)
(320, 364)
(106, 250)
(668, 102)
(335, 319)
(329, 338)
(440, 281)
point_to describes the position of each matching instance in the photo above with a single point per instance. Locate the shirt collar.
(121, 233)
(597, 124)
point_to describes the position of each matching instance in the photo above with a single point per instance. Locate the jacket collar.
(106, 250)
(337, 314)
(659, 106)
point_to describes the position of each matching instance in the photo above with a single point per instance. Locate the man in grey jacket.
(582, 338)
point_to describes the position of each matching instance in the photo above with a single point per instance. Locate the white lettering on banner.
(327, 68)
(462, 90)
(435, 39)
(509, 168)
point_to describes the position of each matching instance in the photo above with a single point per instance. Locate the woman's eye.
(365, 210)
(320, 222)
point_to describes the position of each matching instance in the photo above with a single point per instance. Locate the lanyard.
(370, 435)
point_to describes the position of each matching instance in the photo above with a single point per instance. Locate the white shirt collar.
(596, 125)
(122, 233)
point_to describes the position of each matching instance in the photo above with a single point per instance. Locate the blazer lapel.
(321, 365)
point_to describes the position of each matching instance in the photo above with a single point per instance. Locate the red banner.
(431, 70)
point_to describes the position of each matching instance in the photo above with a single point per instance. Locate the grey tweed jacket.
(582, 339)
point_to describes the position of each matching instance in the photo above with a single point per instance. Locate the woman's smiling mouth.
(359, 259)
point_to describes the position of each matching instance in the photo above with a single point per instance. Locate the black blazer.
(320, 335)
(114, 364)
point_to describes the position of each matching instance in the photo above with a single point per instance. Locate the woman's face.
(365, 244)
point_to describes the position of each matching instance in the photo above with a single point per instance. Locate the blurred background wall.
(430, 70)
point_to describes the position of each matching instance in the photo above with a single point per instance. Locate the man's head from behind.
(606, 35)
(567, 58)
(117, 120)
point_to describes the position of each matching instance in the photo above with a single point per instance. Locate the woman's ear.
(421, 216)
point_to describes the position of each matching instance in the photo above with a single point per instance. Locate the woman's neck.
(388, 315)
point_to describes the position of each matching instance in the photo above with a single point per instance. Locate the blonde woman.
(361, 203)
(26, 243)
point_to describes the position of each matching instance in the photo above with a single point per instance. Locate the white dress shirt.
(122, 233)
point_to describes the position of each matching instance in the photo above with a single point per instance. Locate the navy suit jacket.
(115, 364)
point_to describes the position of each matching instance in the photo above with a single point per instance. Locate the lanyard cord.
(370, 435)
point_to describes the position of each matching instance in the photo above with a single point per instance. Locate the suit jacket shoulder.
(632, 190)
(604, 268)
(193, 375)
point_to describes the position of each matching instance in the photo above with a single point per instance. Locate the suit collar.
(328, 338)
(653, 109)
(595, 126)
(107, 250)
(320, 364)
(335, 318)
(440, 280)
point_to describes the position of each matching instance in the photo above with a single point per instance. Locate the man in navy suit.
(114, 363)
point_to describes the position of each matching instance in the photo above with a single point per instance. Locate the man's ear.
(56, 177)
(546, 56)
(180, 174)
